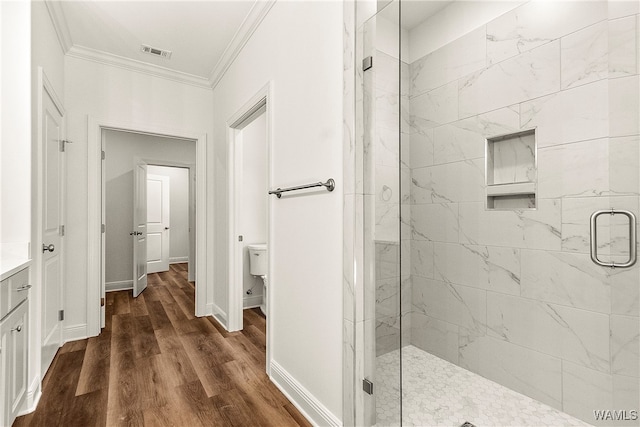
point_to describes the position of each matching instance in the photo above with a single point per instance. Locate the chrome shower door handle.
(632, 238)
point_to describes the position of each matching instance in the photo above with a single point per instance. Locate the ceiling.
(203, 36)
(411, 12)
(415, 12)
(200, 34)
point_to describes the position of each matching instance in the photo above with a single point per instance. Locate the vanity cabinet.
(13, 345)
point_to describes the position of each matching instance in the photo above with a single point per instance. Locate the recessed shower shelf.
(511, 171)
(516, 188)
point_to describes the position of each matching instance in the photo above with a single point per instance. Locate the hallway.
(156, 364)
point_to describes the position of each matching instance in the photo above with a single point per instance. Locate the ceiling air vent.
(155, 51)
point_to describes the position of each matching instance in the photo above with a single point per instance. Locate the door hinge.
(62, 230)
(61, 315)
(104, 156)
(103, 228)
(101, 302)
(367, 63)
(367, 386)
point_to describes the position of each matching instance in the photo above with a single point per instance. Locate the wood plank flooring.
(156, 364)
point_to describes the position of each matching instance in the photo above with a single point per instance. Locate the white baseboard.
(34, 393)
(178, 259)
(306, 403)
(250, 301)
(75, 332)
(220, 316)
(123, 285)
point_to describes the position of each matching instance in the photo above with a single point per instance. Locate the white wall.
(15, 113)
(253, 213)
(114, 94)
(178, 209)
(121, 148)
(298, 47)
(45, 49)
(452, 22)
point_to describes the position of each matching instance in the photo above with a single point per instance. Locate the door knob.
(133, 233)
(49, 248)
(138, 233)
(166, 228)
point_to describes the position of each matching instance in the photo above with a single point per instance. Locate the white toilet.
(258, 267)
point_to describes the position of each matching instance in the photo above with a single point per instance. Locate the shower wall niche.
(511, 171)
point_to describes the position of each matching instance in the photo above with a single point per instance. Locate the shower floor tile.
(439, 393)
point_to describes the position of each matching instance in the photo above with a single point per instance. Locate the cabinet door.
(13, 333)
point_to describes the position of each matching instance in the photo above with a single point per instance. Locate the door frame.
(35, 307)
(193, 204)
(262, 99)
(95, 203)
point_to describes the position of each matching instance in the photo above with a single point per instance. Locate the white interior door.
(158, 223)
(139, 232)
(52, 229)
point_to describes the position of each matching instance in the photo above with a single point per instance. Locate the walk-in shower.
(491, 131)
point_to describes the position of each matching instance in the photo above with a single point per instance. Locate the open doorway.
(249, 213)
(96, 226)
(169, 211)
(252, 206)
(169, 163)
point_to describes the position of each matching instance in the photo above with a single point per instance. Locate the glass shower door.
(493, 131)
(386, 197)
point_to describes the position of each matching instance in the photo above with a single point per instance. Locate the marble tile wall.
(389, 133)
(390, 195)
(513, 294)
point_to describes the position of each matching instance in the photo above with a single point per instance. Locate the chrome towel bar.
(330, 185)
(632, 238)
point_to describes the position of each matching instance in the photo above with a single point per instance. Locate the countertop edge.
(10, 266)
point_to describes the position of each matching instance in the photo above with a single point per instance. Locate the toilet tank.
(258, 259)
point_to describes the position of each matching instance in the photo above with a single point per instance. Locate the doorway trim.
(262, 99)
(95, 201)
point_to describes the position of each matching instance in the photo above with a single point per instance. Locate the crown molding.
(59, 24)
(101, 57)
(257, 13)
